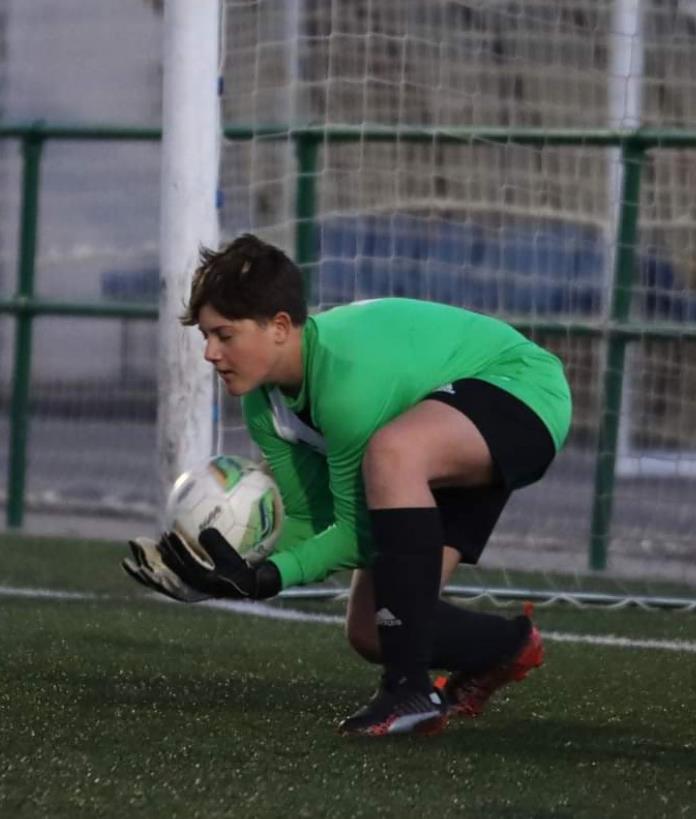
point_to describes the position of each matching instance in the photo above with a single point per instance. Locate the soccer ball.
(233, 495)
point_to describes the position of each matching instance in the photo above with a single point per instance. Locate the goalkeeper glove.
(226, 575)
(146, 566)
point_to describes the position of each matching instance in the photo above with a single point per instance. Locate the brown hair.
(247, 279)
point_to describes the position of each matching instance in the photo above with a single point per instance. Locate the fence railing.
(616, 328)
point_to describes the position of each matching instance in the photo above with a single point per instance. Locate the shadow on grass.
(245, 692)
(247, 696)
(573, 741)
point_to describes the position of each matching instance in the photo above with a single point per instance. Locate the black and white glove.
(224, 574)
(147, 568)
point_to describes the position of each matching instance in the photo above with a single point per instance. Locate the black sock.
(407, 585)
(473, 641)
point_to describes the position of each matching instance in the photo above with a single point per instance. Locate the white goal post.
(190, 157)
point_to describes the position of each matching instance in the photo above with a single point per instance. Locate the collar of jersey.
(297, 402)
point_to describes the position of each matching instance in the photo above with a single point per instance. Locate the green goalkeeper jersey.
(364, 364)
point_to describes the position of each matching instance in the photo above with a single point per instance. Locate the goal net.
(348, 143)
(379, 144)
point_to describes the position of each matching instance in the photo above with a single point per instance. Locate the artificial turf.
(116, 705)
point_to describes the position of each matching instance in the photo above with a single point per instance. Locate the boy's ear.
(282, 324)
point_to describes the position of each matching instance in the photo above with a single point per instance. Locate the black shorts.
(521, 448)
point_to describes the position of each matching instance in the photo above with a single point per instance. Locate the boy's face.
(245, 354)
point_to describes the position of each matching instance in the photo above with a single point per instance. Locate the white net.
(397, 202)
(390, 200)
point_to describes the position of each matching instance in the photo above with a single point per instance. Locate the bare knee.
(385, 452)
(393, 470)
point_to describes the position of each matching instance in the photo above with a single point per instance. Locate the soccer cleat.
(467, 694)
(398, 710)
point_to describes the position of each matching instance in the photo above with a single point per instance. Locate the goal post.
(189, 220)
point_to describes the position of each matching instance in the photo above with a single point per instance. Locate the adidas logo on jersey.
(448, 388)
(384, 617)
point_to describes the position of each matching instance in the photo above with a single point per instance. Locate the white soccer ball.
(233, 495)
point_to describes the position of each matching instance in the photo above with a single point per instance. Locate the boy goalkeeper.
(396, 430)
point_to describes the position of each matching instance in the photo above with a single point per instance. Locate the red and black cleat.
(398, 710)
(467, 694)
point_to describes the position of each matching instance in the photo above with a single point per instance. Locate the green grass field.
(117, 705)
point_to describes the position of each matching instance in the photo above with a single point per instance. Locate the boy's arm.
(347, 542)
(324, 528)
(299, 471)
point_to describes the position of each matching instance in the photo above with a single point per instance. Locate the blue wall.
(551, 269)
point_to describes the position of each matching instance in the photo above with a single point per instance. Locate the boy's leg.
(484, 651)
(432, 442)
(361, 629)
(463, 640)
(469, 436)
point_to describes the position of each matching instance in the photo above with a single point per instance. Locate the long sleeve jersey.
(364, 364)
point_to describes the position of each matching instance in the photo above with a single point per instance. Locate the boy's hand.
(147, 568)
(228, 574)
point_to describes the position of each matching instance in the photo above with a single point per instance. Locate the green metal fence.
(616, 330)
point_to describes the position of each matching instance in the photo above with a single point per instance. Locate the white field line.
(620, 642)
(256, 609)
